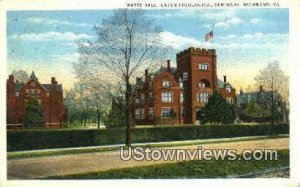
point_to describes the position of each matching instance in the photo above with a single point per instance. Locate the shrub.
(54, 138)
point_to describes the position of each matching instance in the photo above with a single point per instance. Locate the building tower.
(197, 68)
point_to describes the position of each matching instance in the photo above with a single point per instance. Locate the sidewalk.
(32, 168)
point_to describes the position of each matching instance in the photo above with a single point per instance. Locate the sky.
(246, 40)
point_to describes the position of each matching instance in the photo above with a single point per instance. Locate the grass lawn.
(55, 152)
(187, 169)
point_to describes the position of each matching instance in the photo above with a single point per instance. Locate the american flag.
(209, 36)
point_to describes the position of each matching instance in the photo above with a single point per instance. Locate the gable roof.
(47, 87)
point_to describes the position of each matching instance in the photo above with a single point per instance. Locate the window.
(203, 66)
(150, 94)
(166, 97)
(32, 84)
(38, 91)
(137, 114)
(165, 112)
(39, 101)
(137, 100)
(180, 83)
(228, 89)
(185, 76)
(142, 96)
(142, 111)
(27, 92)
(17, 94)
(166, 84)
(151, 114)
(182, 111)
(32, 91)
(204, 83)
(181, 98)
(229, 100)
(202, 97)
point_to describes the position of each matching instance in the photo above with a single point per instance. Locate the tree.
(172, 115)
(217, 110)
(116, 115)
(20, 75)
(33, 114)
(275, 85)
(127, 42)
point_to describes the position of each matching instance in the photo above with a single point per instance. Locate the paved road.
(32, 168)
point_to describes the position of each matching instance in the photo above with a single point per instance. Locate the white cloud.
(169, 39)
(256, 21)
(55, 22)
(48, 36)
(229, 23)
(219, 15)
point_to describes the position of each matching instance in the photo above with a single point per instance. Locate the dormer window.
(203, 66)
(166, 84)
(228, 89)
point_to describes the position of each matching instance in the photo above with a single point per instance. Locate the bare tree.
(275, 83)
(127, 42)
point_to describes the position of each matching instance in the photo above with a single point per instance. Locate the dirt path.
(31, 168)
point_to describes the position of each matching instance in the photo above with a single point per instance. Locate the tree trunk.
(98, 118)
(127, 114)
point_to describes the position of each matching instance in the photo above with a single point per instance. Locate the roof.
(246, 97)
(221, 84)
(162, 69)
(18, 86)
(32, 76)
(47, 87)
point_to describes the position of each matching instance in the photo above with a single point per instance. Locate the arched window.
(204, 83)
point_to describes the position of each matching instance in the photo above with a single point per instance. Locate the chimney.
(224, 78)
(11, 78)
(168, 65)
(241, 91)
(53, 80)
(146, 73)
(261, 88)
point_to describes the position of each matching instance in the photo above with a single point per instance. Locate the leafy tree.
(116, 116)
(217, 110)
(33, 114)
(275, 84)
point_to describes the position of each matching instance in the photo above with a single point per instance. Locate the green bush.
(33, 114)
(18, 140)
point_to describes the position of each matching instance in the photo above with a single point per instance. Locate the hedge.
(28, 139)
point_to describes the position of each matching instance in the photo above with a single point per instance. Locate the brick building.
(49, 96)
(182, 90)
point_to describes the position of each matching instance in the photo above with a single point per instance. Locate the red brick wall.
(187, 61)
(51, 103)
